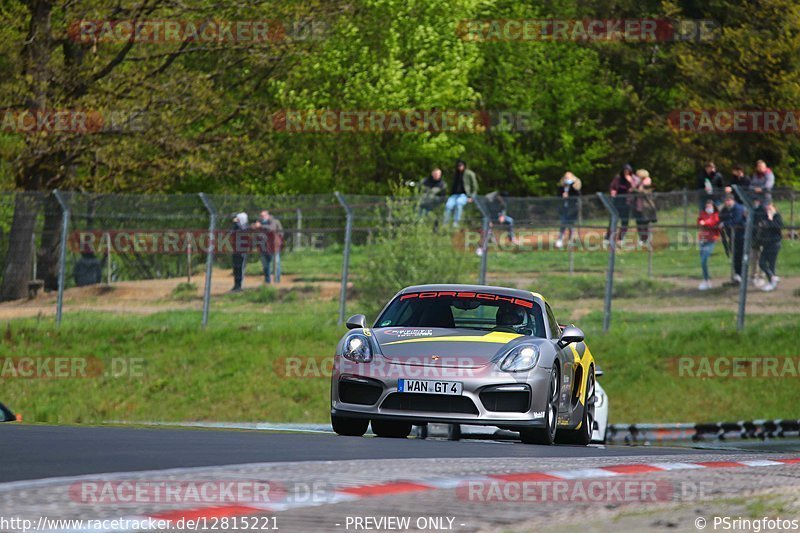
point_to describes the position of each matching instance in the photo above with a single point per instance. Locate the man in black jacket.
(239, 257)
(770, 228)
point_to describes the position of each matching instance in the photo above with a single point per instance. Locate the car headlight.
(520, 358)
(357, 348)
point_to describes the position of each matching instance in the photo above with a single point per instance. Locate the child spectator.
(707, 236)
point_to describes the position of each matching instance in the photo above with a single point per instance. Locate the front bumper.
(489, 397)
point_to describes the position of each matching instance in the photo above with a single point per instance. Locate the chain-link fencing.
(189, 251)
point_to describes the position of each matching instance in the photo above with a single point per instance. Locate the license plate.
(426, 386)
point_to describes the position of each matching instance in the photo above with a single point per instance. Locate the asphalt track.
(36, 451)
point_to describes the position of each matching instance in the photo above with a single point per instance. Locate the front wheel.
(547, 434)
(391, 429)
(351, 427)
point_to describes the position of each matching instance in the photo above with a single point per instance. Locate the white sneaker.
(769, 287)
(479, 251)
(759, 282)
(776, 280)
(560, 243)
(737, 278)
(704, 285)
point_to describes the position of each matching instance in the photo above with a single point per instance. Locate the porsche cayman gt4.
(465, 354)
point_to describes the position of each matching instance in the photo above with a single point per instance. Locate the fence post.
(62, 254)
(685, 207)
(745, 275)
(212, 227)
(612, 255)
(277, 266)
(348, 230)
(793, 232)
(298, 229)
(484, 246)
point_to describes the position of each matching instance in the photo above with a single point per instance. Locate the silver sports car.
(465, 354)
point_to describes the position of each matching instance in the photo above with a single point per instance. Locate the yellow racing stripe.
(495, 337)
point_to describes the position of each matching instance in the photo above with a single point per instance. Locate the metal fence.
(61, 240)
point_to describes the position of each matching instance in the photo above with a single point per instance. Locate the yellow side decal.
(496, 337)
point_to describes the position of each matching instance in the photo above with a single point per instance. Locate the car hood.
(443, 347)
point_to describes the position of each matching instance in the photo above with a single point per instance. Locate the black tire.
(547, 434)
(391, 429)
(350, 427)
(583, 435)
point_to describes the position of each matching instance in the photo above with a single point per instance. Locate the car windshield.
(464, 310)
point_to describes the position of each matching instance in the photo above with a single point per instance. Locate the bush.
(407, 250)
(185, 291)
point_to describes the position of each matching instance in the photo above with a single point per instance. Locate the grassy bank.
(236, 369)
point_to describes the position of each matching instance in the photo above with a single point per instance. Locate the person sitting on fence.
(569, 188)
(239, 257)
(732, 219)
(708, 181)
(707, 236)
(739, 179)
(644, 207)
(762, 181)
(465, 186)
(770, 235)
(496, 205)
(433, 192)
(620, 189)
(273, 243)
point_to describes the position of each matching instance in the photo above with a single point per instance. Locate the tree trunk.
(48, 255)
(19, 257)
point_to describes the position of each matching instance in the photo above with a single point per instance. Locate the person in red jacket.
(707, 236)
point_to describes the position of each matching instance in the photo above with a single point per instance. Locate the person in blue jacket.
(732, 218)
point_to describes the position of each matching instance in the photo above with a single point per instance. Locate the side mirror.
(356, 321)
(569, 335)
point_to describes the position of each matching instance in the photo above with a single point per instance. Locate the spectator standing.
(569, 188)
(732, 218)
(240, 224)
(644, 206)
(620, 191)
(708, 181)
(274, 241)
(707, 236)
(434, 192)
(762, 181)
(771, 235)
(465, 186)
(739, 179)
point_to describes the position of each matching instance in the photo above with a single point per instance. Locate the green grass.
(236, 369)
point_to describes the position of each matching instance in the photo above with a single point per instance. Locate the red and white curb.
(400, 487)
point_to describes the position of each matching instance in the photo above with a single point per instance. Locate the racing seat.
(437, 315)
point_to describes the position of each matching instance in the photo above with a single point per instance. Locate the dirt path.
(144, 297)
